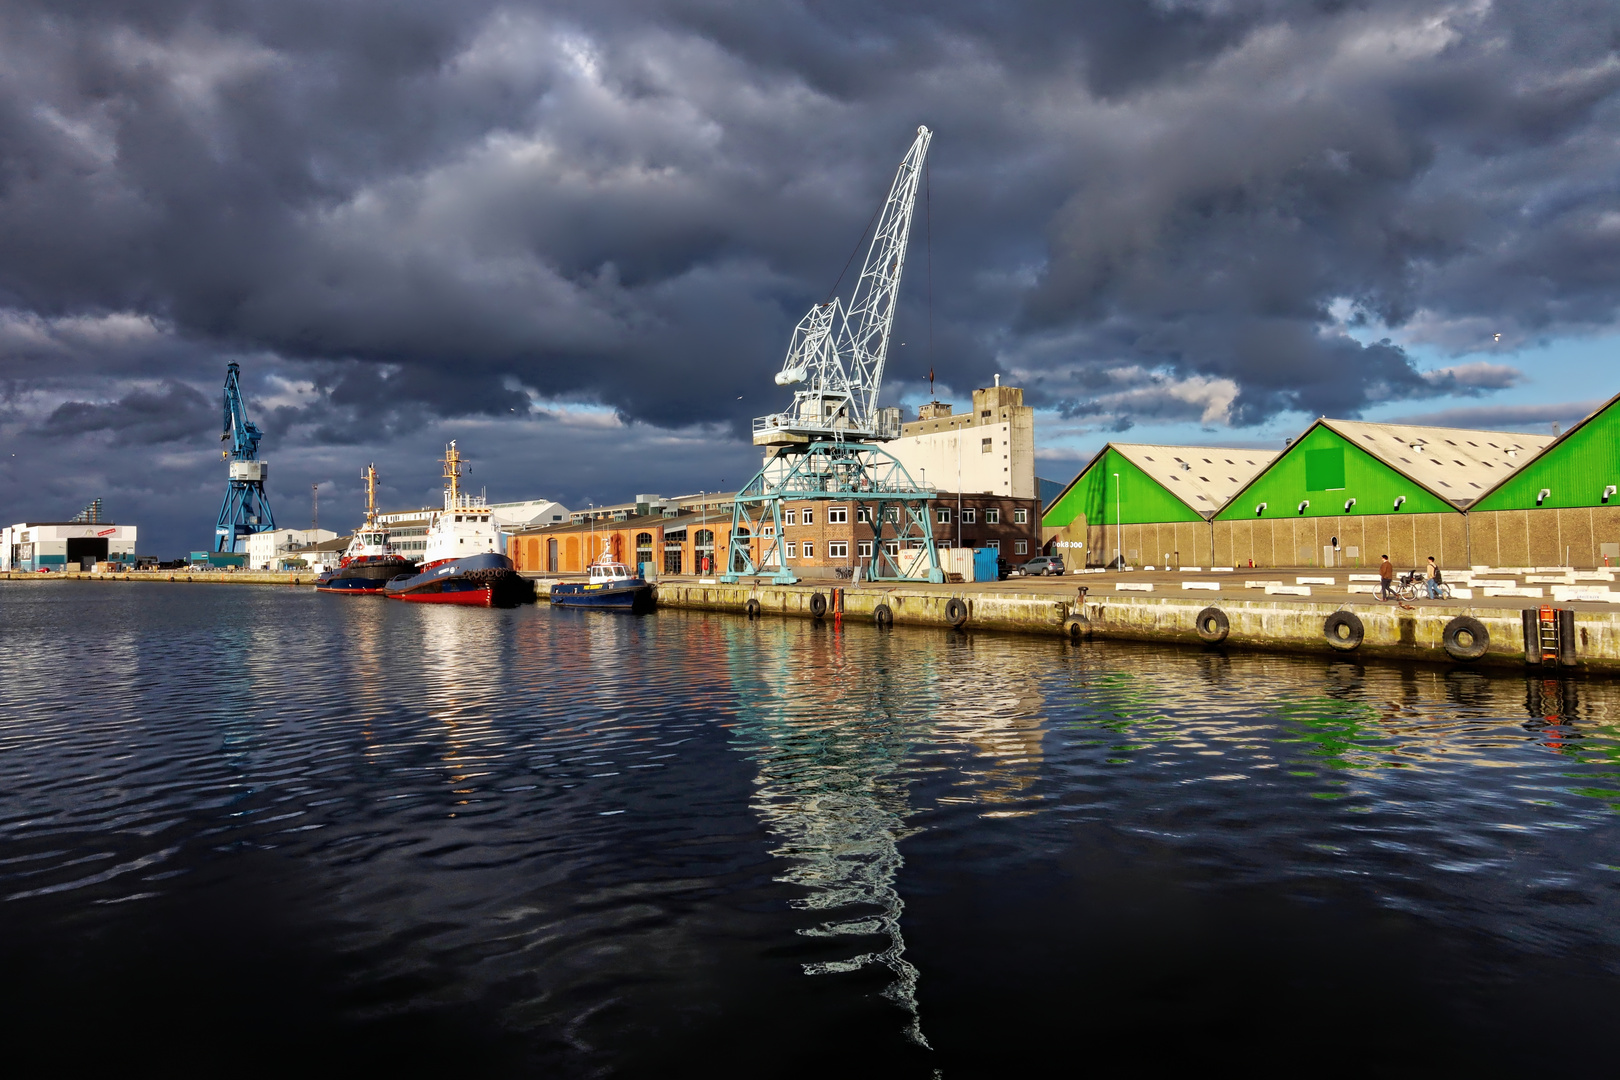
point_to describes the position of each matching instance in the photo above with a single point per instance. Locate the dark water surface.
(251, 829)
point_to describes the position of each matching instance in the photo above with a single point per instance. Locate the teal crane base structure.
(863, 475)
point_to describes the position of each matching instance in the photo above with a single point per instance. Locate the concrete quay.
(1052, 606)
(195, 577)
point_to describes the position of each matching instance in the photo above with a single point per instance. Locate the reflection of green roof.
(1574, 469)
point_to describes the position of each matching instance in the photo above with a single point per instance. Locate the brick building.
(818, 537)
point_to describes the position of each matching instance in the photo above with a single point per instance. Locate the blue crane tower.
(246, 509)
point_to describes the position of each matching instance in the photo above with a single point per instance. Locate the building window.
(767, 530)
(863, 549)
(809, 549)
(1020, 547)
(792, 550)
(969, 516)
(809, 516)
(791, 517)
(863, 514)
(891, 514)
(942, 545)
(992, 516)
(984, 445)
(944, 516)
(891, 548)
(837, 515)
(993, 545)
(1020, 517)
(837, 549)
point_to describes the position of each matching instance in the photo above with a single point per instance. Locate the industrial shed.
(1347, 491)
(1150, 503)
(1561, 508)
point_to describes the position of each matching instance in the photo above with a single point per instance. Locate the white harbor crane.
(838, 353)
(826, 444)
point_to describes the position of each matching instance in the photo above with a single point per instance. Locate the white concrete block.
(1363, 577)
(1260, 584)
(1192, 569)
(1288, 590)
(1314, 581)
(1594, 575)
(1597, 593)
(1212, 586)
(1133, 586)
(1550, 579)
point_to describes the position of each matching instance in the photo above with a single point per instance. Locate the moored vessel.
(461, 563)
(369, 563)
(609, 585)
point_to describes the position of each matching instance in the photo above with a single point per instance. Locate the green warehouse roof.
(1156, 484)
(1340, 467)
(1580, 468)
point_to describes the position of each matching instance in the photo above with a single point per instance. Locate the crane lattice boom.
(838, 352)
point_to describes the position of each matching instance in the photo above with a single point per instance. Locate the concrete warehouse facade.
(1562, 507)
(1150, 504)
(65, 545)
(988, 451)
(1346, 492)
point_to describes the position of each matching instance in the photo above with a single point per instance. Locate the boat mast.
(370, 477)
(452, 474)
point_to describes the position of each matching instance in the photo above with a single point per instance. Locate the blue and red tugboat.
(369, 563)
(461, 563)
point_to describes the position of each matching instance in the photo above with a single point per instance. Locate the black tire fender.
(1075, 628)
(752, 608)
(956, 611)
(882, 616)
(1465, 638)
(818, 604)
(1212, 626)
(1343, 631)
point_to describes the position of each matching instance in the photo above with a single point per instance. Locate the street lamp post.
(1119, 527)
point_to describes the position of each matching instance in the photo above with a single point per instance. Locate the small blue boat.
(610, 587)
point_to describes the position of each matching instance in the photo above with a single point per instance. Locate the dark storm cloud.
(426, 210)
(177, 412)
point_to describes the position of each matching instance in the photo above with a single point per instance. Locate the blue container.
(984, 564)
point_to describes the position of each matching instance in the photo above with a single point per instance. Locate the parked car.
(1040, 566)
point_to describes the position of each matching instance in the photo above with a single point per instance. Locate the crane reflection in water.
(834, 737)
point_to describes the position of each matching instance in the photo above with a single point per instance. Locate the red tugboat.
(461, 564)
(369, 563)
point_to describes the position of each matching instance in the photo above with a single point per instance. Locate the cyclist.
(1431, 579)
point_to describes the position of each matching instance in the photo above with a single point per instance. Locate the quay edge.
(206, 577)
(1390, 632)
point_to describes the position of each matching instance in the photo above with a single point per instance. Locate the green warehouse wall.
(1327, 469)
(1091, 496)
(1574, 469)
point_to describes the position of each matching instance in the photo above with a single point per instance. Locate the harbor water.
(251, 829)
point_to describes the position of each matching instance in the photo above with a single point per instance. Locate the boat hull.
(633, 595)
(475, 581)
(363, 579)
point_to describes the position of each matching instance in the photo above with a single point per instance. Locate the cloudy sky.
(577, 236)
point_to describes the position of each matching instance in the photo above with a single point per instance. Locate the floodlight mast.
(838, 352)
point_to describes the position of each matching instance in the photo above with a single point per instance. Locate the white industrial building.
(65, 545)
(988, 451)
(268, 550)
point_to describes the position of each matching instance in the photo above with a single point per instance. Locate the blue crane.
(246, 509)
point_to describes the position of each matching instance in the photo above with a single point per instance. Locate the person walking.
(1431, 579)
(1386, 574)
